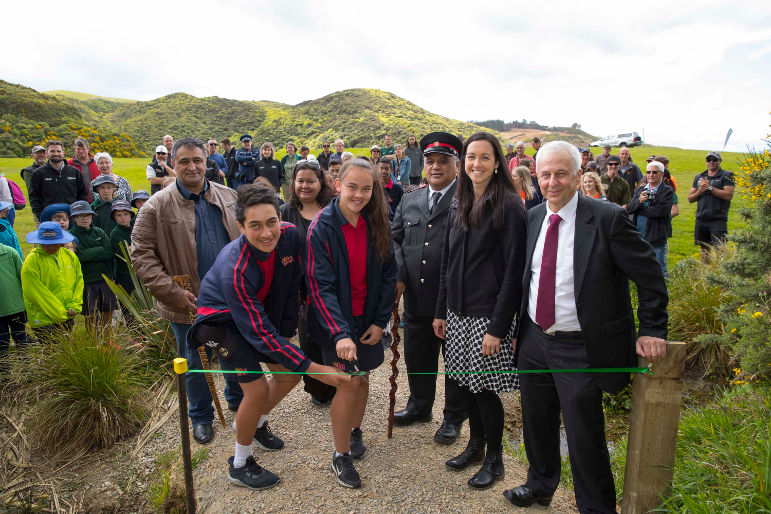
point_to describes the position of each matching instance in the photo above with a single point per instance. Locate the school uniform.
(350, 288)
(248, 304)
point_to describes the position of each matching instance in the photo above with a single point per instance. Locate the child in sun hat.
(96, 259)
(7, 234)
(120, 237)
(105, 188)
(60, 213)
(51, 282)
(139, 198)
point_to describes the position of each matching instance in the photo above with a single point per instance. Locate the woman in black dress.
(480, 291)
(308, 194)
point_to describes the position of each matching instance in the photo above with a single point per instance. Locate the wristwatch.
(709, 188)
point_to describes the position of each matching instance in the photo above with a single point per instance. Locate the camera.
(651, 196)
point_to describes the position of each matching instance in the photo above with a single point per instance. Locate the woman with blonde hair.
(520, 175)
(592, 186)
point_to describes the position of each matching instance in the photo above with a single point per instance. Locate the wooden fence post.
(653, 422)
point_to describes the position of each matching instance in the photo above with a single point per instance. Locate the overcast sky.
(681, 72)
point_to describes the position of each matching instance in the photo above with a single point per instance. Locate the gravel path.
(405, 473)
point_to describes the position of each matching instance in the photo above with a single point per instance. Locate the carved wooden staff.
(184, 282)
(394, 370)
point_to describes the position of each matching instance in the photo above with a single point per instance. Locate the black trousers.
(579, 399)
(421, 354)
(11, 326)
(319, 390)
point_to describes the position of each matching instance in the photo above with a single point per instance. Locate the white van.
(625, 139)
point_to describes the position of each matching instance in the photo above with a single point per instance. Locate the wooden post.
(180, 368)
(653, 422)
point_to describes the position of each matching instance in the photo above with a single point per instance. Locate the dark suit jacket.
(608, 252)
(418, 241)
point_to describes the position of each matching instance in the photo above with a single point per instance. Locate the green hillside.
(360, 116)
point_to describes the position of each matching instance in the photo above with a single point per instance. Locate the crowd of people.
(497, 256)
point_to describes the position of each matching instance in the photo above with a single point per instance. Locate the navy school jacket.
(229, 292)
(329, 279)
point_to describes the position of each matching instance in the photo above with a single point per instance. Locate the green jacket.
(94, 251)
(118, 235)
(51, 284)
(11, 301)
(103, 218)
(617, 191)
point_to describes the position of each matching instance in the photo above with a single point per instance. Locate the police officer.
(246, 159)
(418, 232)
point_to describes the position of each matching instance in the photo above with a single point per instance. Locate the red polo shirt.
(267, 266)
(356, 244)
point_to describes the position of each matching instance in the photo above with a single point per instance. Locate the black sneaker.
(265, 439)
(252, 475)
(344, 471)
(357, 444)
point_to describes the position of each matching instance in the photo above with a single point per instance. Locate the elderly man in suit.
(576, 313)
(418, 231)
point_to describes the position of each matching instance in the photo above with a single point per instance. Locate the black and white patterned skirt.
(463, 353)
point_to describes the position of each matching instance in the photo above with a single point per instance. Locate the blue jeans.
(11, 216)
(199, 399)
(661, 256)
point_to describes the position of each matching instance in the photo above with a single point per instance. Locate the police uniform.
(418, 231)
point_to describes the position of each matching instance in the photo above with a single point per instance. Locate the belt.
(563, 335)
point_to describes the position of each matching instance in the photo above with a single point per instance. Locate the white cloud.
(682, 72)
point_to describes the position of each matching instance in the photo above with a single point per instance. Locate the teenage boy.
(105, 189)
(95, 254)
(139, 198)
(51, 281)
(7, 234)
(247, 311)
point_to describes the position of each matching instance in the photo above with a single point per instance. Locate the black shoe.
(406, 417)
(344, 471)
(448, 433)
(492, 470)
(474, 452)
(252, 475)
(523, 496)
(232, 407)
(357, 444)
(203, 433)
(265, 439)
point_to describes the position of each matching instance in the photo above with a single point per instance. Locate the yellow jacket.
(51, 284)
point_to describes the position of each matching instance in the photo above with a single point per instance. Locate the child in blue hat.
(51, 282)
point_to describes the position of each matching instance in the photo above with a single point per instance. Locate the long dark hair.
(376, 210)
(470, 213)
(325, 194)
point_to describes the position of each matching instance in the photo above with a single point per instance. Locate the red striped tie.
(544, 310)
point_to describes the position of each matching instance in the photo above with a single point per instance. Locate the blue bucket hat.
(52, 209)
(121, 205)
(102, 179)
(49, 233)
(139, 194)
(5, 205)
(81, 207)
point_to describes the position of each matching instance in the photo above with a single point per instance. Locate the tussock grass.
(88, 394)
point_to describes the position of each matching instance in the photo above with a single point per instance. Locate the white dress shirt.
(431, 192)
(565, 313)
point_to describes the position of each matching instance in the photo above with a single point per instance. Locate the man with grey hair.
(628, 170)
(576, 316)
(651, 207)
(84, 161)
(520, 156)
(178, 234)
(339, 147)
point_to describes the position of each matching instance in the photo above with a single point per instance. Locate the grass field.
(684, 164)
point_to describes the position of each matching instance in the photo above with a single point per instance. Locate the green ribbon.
(515, 371)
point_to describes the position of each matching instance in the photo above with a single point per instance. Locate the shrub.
(746, 274)
(83, 394)
(693, 314)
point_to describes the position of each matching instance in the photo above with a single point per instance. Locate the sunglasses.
(613, 164)
(212, 144)
(326, 146)
(711, 159)
(651, 172)
(161, 153)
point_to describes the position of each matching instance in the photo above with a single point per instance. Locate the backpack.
(19, 202)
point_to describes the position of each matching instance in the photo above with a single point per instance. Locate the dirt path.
(405, 473)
